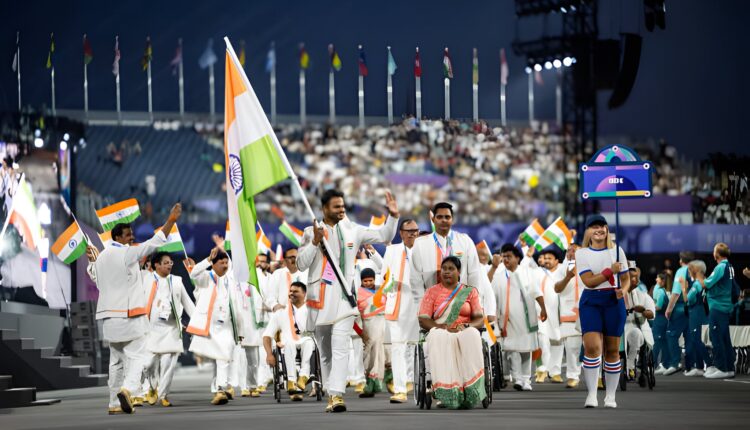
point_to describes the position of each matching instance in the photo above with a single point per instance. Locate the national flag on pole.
(335, 59)
(14, 65)
(503, 68)
(227, 242)
(208, 58)
(475, 68)
(243, 55)
(174, 241)
(148, 53)
(391, 63)
(417, 65)
(447, 65)
(557, 233)
(177, 59)
(106, 239)
(123, 212)
(24, 215)
(532, 233)
(377, 221)
(362, 62)
(264, 243)
(304, 57)
(253, 164)
(432, 223)
(271, 58)
(482, 245)
(538, 77)
(116, 63)
(50, 60)
(71, 244)
(292, 233)
(88, 53)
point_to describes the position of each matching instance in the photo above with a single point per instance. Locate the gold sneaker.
(152, 396)
(360, 388)
(337, 404)
(296, 397)
(126, 403)
(399, 398)
(313, 391)
(302, 382)
(138, 401)
(230, 393)
(165, 402)
(220, 398)
(115, 411)
(556, 379)
(389, 386)
(255, 393)
(291, 387)
(245, 392)
(329, 407)
(572, 383)
(261, 388)
(409, 387)
(541, 377)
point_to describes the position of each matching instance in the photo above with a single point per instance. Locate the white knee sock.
(612, 377)
(591, 372)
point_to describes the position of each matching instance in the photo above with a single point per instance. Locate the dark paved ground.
(677, 402)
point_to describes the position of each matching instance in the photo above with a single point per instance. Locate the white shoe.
(709, 371)
(527, 386)
(671, 371)
(720, 375)
(591, 401)
(694, 372)
(660, 370)
(609, 402)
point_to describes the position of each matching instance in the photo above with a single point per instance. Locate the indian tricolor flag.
(23, 215)
(174, 241)
(557, 233)
(264, 243)
(532, 232)
(70, 245)
(106, 239)
(292, 233)
(227, 242)
(377, 221)
(123, 212)
(482, 245)
(254, 162)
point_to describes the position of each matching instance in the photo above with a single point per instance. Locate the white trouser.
(520, 367)
(572, 356)
(222, 374)
(127, 362)
(167, 364)
(356, 362)
(238, 368)
(544, 345)
(402, 365)
(634, 340)
(252, 359)
(264, 372)
(333, 342)
(556, 351)
(305, 346)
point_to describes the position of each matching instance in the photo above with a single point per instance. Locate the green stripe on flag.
(125, 220)
(261, 168)
(289, 234)
(77, 252)
(527, 238)
(246, 211)
(172, 247)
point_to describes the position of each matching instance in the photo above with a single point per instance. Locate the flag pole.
(52, 77)
(331, 97)
(289, 170)
(150, 99)
(117, 79)
(475, 87)
(273, 86)
(361, 97)
(418, 90)
(85, 84)
(302, 101)
(558, 98)
(18, 66)
(531, 97)
(181, 83)
(447, 98)
(211, 91)
(389, 92)
(503, 118)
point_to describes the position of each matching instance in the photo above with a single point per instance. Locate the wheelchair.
(423, 380)
(644, 367)
(496, 355)
(280, 374)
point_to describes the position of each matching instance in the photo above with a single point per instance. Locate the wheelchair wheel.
(420, 386)
(623, 374)
(497, 363)
(317, 382)
(488, 375)
(278, 377)
(650, 377)
(642, 367)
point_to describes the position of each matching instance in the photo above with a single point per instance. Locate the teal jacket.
(719, 288)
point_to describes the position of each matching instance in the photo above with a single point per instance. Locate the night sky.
(691, 87)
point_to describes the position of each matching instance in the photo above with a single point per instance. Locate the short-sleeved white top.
(595, 260)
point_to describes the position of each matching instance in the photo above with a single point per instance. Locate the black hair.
(119, 230)
(405, 221)
(686, 256)
(268, 258)
(367, 273)
(287, 250)
(452, 259)
(156, 258)
(442, 205)
(300, 285)
(509, 247)
(329, 195)
(220, 255)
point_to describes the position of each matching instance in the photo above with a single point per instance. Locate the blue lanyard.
(448, 244)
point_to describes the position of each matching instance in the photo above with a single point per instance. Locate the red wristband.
(607, 273)
(358, 329)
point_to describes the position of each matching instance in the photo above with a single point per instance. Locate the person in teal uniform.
(698, 355)
(659, 327)
(678, 319)
(718, 287)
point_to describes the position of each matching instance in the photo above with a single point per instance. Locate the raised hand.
(317, 233)
(390, 203)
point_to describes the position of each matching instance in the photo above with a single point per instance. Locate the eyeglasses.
(410, 231)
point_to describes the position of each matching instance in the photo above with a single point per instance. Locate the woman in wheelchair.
(641, 309)
(451, 312)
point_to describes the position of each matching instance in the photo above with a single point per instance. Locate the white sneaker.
(709, 371)
(720, 375)
(660, 370)
(527, 386)
(591, 401)
(609, 402)
(694, 372)
(671, 371)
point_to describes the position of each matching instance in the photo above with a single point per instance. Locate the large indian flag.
(123, 212)
(70, 245)
(174, 241)
(532, 232)
(291, 232)
(557, 233)
(106, 239)
(23, 215)
(254, 162)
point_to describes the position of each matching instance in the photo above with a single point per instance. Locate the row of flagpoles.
(208, 59)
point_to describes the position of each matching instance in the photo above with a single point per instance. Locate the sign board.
(615, 172)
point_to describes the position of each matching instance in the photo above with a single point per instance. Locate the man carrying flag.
(122, 307)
